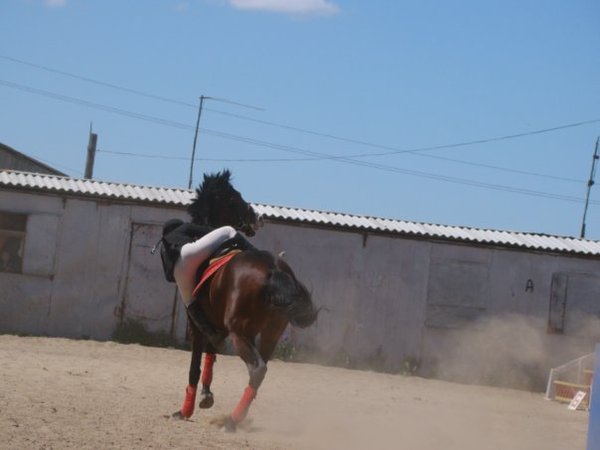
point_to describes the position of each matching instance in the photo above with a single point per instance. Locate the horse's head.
(217, 203)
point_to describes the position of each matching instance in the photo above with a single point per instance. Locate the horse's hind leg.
(257, 370)
(187, 409)
(270, 337)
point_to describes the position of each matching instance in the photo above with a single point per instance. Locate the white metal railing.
(577, 372)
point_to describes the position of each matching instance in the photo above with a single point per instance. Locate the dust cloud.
(512, 350)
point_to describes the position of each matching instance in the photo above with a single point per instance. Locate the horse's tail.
(285, 293)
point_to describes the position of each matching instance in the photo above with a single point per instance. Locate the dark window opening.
(12, 240)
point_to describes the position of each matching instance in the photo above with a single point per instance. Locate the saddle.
(214, 264)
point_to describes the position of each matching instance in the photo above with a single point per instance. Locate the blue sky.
(471, 113)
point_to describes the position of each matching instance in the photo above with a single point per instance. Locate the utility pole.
(589, 187)
(91, 154)
(202, 98)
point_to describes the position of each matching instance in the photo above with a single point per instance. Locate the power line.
(98, 82)
(346, 159)
(150, 156)
(415, 151)
(121, 88)
(504, 169)
(111, 109)
(396, 151)
(455, 180)
(323, 158)
(390, 149)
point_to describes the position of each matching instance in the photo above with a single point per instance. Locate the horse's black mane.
(213, 186)
(215, 183)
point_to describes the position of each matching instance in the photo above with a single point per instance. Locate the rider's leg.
(199, 319)
(191, 256)
(194, 254)
(238, 242)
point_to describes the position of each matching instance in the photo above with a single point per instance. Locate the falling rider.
(185, 247)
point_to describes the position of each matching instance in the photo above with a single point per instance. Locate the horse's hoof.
(207, 400)
(219, 421)
(178, 415)
(229, 425)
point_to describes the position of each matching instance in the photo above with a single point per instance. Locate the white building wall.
(510, 340)
(76, 267)
(387, 299)
(373, 292)
(391, 300)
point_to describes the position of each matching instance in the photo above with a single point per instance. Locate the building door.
(149, 300)
(574, 304)
(558, 303)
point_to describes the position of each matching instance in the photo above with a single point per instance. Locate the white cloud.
(182, 6)
(55, 3)
(300, 7)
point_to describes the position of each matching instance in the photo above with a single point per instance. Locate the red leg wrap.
(240, 411)
(207, 372)
(190, 399)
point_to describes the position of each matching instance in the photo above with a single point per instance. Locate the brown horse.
(255, 295)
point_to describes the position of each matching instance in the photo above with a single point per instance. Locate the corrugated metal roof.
(465, 234)
(181, 197)
(78, 186)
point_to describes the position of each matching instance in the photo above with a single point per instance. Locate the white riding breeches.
(194, 254)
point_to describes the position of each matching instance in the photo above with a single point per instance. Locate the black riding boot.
(238, 242)
(198, 317)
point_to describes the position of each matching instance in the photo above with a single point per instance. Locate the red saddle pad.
(214, 265)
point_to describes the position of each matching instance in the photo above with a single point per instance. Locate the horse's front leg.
(187, 409)
(257, 369)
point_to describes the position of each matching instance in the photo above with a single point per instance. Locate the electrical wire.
(455, 180)
(390, 149)
(98, 82)
(316, 155)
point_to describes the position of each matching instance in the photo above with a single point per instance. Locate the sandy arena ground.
(66, 394)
